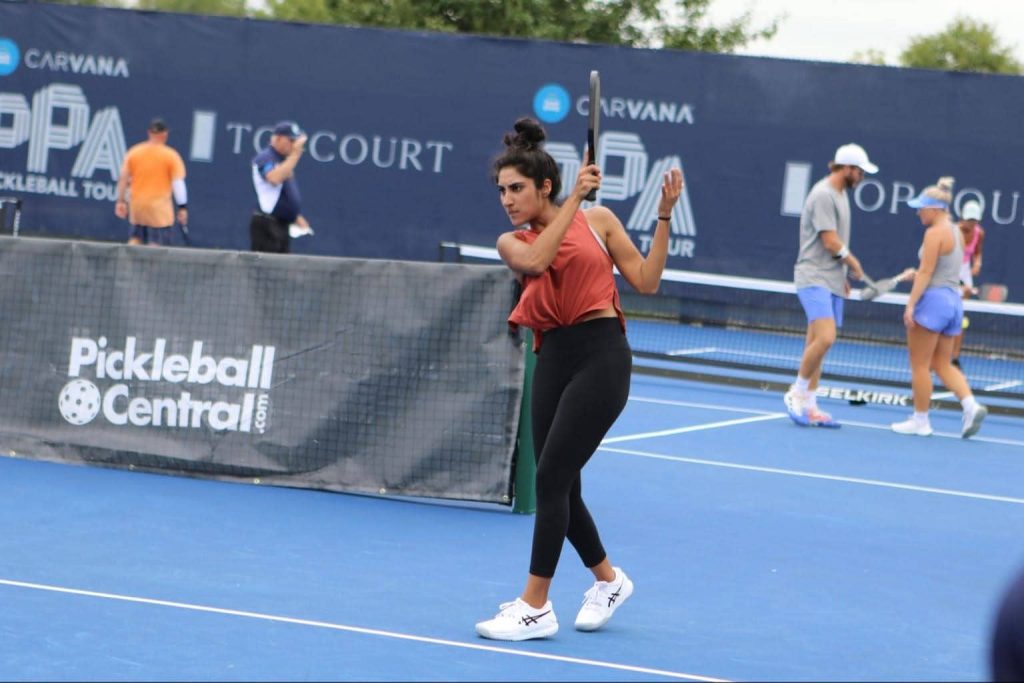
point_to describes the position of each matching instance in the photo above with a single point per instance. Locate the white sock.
(801, 385)
(969, 403)
(921, 418)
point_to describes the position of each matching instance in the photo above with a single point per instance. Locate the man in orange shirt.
(151, 173)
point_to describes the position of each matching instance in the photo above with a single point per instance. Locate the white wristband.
(180, 191)
(842, 253)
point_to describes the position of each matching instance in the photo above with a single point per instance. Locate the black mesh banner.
(329, 373)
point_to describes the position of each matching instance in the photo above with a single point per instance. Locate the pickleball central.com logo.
(238, 399)
(10, 56)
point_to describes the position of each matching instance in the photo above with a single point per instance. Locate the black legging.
(580, 385)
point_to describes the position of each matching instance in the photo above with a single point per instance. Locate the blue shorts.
(819, 302)
(162, 236)
(941, 310)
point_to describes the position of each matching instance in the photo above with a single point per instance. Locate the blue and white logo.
(551, 103)
(9, 56)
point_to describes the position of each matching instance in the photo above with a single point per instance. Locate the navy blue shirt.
(282, 201)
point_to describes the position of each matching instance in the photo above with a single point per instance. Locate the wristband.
(665, 218)
(842, 253)
(182, 206)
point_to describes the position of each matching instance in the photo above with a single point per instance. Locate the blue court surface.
(760, 551)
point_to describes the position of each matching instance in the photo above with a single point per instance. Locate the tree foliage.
(964, 45)
(871, 55)
(90, 3)
(694, 30)
(680, 24)
(232, 8)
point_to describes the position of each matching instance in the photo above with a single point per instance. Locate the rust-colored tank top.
(579, 281)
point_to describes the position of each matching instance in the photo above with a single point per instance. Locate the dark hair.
(526, 154)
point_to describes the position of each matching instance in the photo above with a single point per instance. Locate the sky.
(833, 30)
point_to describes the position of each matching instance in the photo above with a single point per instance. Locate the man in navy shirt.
(273, 176)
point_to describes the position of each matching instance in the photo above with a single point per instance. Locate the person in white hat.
(822, 267)
(973, 237)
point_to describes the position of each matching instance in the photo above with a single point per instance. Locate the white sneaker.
(517, 620)
(795, 406)
(601, 601)
(972, 422)
(912, 426)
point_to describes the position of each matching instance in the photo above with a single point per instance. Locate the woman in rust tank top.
(563, 255)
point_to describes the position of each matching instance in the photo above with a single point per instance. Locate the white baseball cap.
(971, 211)
(854, 155)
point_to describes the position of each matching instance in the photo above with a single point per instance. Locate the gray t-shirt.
(824, 209)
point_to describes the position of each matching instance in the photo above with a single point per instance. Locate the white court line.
(815, 475)
(694, 428)
(941, 435)
(692, 352)
(710, 406)
(992, 387)
(725, 350)
(1004, 385)
(357, 629)
(1000, 383)
(770, 414)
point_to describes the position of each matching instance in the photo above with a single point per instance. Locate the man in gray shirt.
(822, 267)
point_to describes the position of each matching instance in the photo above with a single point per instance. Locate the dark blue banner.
(403, 127)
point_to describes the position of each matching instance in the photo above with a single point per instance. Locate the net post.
(17, 217)
(10, 207)
(525, 501)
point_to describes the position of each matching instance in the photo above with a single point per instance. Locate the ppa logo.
(10, 56)
(629, 174)
(638, 178)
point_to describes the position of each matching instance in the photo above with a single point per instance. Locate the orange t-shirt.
(579, 281)
(152, 167)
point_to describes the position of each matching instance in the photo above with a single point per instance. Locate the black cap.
(157, 125)
(289, 129)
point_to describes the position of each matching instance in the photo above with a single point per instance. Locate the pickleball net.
(739, 324)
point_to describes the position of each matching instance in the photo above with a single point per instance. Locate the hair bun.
(529, 134)
(946, 183)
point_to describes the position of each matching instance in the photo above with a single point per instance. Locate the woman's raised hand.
(671, 189)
